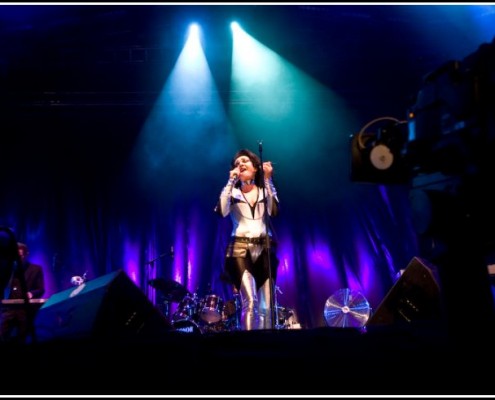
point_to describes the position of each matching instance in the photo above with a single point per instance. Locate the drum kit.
(210, 313)
(195, 314)
(206, 314)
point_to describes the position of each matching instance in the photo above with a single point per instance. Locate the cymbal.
(172, 290)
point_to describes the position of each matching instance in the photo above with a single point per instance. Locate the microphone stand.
(171, 253)
(267, 238)
(150, 265)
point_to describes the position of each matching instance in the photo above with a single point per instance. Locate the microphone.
(260, 146)
(236, 176)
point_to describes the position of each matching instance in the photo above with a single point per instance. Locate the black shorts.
(238, 259)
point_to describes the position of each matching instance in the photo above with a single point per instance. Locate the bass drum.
(187, 309)
(186, 326)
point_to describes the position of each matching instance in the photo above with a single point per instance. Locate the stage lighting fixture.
(377, 154)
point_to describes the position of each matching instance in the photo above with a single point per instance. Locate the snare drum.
(211, 309)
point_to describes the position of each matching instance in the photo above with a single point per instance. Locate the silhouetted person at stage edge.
(16, 320)
(9, 256)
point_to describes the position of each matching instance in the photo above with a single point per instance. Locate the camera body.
(448, 132)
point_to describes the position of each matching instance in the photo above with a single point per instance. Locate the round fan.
(346, 308)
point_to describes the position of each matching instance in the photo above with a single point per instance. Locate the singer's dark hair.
(258, 178)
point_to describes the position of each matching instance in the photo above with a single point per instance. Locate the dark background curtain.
(85, 191)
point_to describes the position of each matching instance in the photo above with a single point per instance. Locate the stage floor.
(408, 359)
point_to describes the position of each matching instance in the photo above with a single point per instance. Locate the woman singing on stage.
(250, 259)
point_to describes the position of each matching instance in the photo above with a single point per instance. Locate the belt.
(255, 240)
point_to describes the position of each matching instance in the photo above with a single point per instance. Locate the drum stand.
(166, 308)
(238, 311)
(277, 317)
(150, 280)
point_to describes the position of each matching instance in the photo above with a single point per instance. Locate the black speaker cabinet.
(111, 306)
(414, 297)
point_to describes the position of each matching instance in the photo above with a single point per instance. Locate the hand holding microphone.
(268, 169)
(234, 173)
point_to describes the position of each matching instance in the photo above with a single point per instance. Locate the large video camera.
(444, 152)
(448, 132)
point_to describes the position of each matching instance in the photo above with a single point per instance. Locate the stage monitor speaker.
(111, 306)
(414, 297)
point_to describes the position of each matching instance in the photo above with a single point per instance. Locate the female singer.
(250, 259)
